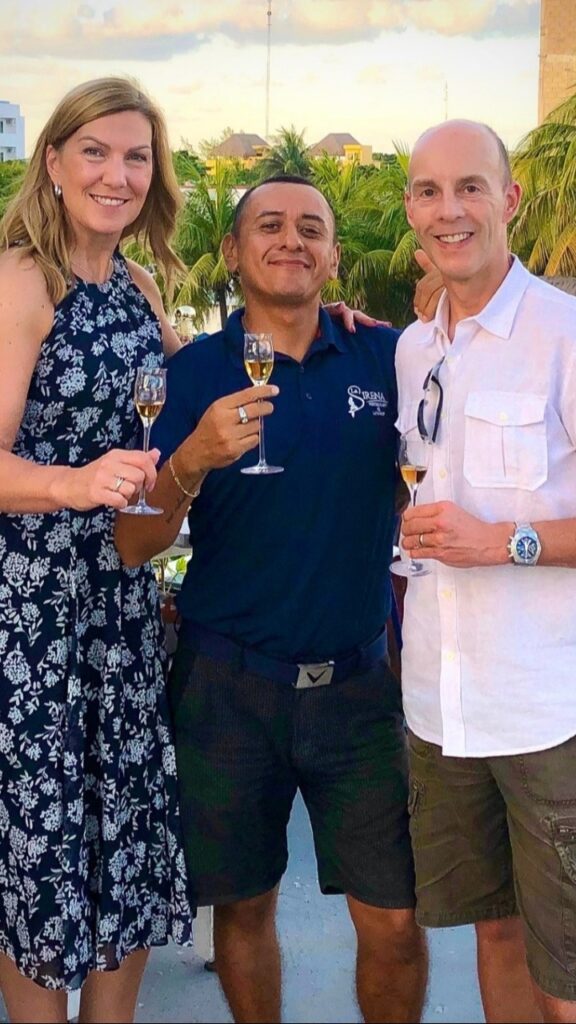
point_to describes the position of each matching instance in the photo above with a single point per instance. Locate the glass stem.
(414, 564)
(261, 449)
(145, 447)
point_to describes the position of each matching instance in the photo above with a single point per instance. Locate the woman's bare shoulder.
(15, 264)
(24, 294)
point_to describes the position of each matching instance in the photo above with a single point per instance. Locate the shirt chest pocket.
(505, 440)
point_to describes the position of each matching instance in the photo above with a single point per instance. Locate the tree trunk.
(221, 292)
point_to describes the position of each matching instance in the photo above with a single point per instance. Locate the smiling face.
(284, 249)
(105, 171)
(460, 201)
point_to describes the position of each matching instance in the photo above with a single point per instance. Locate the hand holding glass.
(149, 397)
(259, 362)
(413, 456)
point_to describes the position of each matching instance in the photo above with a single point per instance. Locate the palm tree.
(394, 221)
(288, 155)
(206, 217)
(187, 165)
(372, 230)
(544, 232)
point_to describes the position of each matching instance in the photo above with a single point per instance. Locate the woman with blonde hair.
(91, 869)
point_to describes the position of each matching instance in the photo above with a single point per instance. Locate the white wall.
(11, 132)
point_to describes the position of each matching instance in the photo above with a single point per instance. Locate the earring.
(57, 191)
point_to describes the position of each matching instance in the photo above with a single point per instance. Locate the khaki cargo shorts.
(494, 837)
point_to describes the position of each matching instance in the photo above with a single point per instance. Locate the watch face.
(526, 548)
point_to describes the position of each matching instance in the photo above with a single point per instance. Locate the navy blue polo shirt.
(295, 564)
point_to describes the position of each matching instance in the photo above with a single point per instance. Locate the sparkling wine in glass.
(259, 362)
(149, 397)
(413, 457)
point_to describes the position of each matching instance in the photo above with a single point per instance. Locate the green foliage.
(206, 217)
(187, 165)
(11, 174)
(288, 155)
(239, 175)
(544, 231)
(371, 224)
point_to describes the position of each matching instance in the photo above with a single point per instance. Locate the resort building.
(248, 149)
(344, 147)
(11, 132)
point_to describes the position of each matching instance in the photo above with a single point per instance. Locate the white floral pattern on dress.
(91, 865)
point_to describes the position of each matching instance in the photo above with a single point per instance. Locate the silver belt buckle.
(319, 674)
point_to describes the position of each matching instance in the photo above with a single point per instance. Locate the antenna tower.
(269, 23)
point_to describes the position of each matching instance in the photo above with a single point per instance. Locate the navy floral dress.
(91, 866)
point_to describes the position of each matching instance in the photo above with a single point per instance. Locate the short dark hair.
(286, 179)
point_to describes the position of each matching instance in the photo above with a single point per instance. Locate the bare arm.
(456, 538)
(26, 316)
(147, 285)
(219, 440)
(426, 298)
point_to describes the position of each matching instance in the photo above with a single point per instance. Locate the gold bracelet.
(189, 494)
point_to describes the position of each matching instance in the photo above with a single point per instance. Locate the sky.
(383, 70)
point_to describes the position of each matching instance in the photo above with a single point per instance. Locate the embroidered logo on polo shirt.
(358, 399)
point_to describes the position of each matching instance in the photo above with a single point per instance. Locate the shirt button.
(308, 395)
(442, 474)
(448, 594)
(450, 656)
(301, 368)
(503, 417)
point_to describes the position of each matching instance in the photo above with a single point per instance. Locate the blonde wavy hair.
(36, 221)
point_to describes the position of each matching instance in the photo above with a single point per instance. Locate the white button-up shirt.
(489, 656)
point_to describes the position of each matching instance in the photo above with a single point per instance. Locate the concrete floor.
(318, 952)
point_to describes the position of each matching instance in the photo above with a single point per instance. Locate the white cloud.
(158, 29)
(390, 86)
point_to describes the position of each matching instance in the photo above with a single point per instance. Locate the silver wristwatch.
(524, 546)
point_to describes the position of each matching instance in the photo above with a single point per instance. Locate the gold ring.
(118, 483)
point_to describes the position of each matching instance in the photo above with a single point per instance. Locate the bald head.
(460, 200)
(458, 133)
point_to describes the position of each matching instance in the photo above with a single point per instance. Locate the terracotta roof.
(239, 145)
(567, 284)
(333, 144)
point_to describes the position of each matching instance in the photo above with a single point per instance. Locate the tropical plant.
(372, 230)
(187, 164)
(544, 231)
(11, 174)
(204, 220)
(287, 155)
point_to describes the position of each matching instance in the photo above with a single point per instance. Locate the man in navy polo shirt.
(280, 681)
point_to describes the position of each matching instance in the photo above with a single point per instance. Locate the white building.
(11, 132)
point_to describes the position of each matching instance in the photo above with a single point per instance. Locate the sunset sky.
(375, 68)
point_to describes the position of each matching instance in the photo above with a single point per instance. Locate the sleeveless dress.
(91, 866)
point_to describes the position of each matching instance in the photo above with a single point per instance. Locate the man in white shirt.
(489, 659)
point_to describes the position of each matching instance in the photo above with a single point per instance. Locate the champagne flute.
(259, 361)
(413, 457)
(149, 397)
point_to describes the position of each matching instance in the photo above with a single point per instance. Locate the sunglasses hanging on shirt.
(430, 407)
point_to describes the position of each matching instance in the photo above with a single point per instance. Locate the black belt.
(300, 676)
